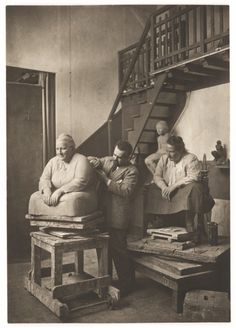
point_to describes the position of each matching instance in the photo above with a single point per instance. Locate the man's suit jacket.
(120, 191)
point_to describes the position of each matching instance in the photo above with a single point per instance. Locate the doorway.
(30, 143)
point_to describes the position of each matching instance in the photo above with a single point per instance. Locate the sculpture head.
(65, 147)
(162, 127)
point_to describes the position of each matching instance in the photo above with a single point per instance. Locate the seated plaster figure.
(67, 186)
(220, 153)
(177, 187)
(163, 135)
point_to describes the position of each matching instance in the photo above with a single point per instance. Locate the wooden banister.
(130, 68)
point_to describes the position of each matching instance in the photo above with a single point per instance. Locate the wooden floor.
(150, 302)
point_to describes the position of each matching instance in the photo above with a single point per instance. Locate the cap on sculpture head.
(66, 138)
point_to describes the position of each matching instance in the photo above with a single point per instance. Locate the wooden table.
(177, 269)
(54, 287)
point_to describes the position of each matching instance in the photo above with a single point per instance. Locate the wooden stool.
(54, 288)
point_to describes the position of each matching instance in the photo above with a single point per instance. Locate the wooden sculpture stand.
(55, 287)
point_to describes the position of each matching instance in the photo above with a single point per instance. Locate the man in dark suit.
(121, 180)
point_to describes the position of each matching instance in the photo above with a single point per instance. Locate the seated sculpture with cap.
(67, 186)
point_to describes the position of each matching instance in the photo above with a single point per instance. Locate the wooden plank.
(91, 307)
(145, 261)
(176, 266)
(81, 219)
(47, 242)
(68, 225)
(215, 64)
(80, 287)
(201, 253)
(45, 297)
(68, 267)
(62, 234)
(157, 276)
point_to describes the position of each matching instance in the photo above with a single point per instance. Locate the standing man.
(121, 180)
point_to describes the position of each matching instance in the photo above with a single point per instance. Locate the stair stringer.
(149, 107)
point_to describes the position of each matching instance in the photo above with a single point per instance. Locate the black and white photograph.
(118, 163)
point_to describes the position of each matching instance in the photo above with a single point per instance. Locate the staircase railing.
(177, 34)
(172, 35)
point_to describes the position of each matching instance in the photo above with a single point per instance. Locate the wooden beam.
(199, 70)
(216, 64)
(81, 219)
(182, 75)
(130, 68)
(45, 297)
(80, 287)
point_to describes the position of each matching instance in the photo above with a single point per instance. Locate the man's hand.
(54, 200)
(166, 191)
(94, 162)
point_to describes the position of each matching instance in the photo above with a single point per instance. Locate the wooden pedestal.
(56, 288)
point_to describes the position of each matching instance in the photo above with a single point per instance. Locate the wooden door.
(24, 160)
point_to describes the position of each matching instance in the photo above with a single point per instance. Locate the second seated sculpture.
(163, 135)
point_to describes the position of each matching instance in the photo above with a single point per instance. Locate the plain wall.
(206, 119)
(79, 44)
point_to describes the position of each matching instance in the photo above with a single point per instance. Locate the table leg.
(102, 255)
(35, 263)
(56, 270)
(79, 262)
(177, 300)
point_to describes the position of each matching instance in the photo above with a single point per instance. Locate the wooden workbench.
(201, 253)
(178, 269)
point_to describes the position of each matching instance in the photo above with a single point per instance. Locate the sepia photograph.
(118, 163)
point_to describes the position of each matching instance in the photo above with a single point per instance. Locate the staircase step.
(150, 130)
(151, 124)
(164, 97)
(128, 112)
(148, 136)
(143, 148)
(146, 148)
(172, 89)
(158, 110)
(161, 111)
(135, 115)
(162, 104)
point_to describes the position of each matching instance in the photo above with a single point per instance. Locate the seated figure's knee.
(70, 204)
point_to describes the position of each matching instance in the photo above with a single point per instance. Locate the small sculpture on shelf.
(219, 154)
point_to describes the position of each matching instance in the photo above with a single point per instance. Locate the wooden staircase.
(141, 115)
(182, 48)
(166, 98)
